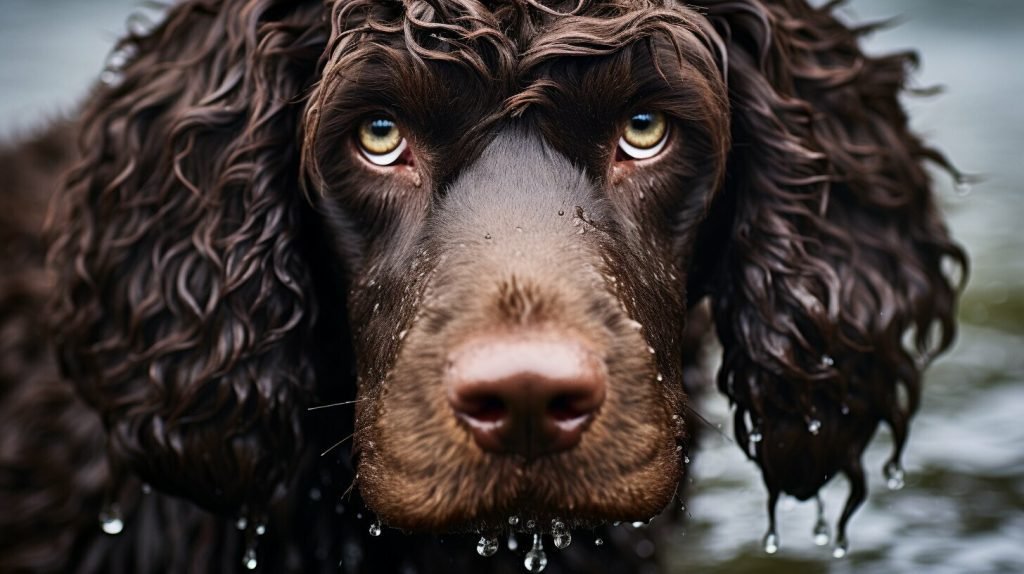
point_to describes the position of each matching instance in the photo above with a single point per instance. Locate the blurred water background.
(962, 509)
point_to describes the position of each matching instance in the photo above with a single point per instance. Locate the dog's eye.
(645, 135)
(381, 141)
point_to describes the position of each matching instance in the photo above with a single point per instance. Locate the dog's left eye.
(381, 141)
(645, 135)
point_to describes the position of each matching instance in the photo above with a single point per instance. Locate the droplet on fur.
(827, 360)
(513, 544)
(536, 560)
(487, 546)
(814, 426)
(402, 334)
(249, 559)
(659, 378)
(895, 478)
(650, 349)
(110, 520)
(513, 520)
(771, 542)
(841, 549)
(375, 528)
(638, 524)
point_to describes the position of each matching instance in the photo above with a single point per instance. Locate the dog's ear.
(184, 307)
(835, 285)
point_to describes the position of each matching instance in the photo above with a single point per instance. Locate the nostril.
(570, 407)
(490, 409)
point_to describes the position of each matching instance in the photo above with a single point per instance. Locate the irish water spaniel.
(365, 285)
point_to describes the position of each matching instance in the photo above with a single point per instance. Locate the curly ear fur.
(183, 308)
(835, 252)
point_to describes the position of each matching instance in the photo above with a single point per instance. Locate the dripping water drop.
(242, 523)
(842, 547)
(110, 520)
(513, 544)
(375, 528)
(756, 436)
(261, 529)
(821, 533)
(249, 559)
(895, 478)
(487, 546)
(536, 560)
(771, 542)
(814, 426)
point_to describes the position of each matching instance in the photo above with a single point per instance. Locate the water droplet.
(249, 559)
(242, 523)
(814, 426)
(845, 409)
(686, 460)
(561, 212)
(513, 520)
(375, 528)
(110, 520)
(650, 349)
(512, 542)
(679, 448)
(531, 524)
(487, 545)
(827, 360)
(894, 476)
(659, 378)
(841, 549)
(146, 488)
(519, 229)
(261, 529)
(487, 236)
(821, 533)
(771, 542)
(314, 494)
(402, 334)
(638, 524)
(756, 436)
(598, 542)
(561, 535)
(536, 560)
(963, 187)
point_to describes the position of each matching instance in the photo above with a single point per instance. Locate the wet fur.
(211, 258)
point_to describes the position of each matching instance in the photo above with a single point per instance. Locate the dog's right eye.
(381, 141)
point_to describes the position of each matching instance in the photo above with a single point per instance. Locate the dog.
(317, 272)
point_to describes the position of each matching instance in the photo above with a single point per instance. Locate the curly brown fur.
(221, 259)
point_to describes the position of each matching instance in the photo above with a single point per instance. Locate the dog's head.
(497, 217)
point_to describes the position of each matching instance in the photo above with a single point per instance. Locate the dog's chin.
(513, 494)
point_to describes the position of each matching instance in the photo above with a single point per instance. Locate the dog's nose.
(528, 395)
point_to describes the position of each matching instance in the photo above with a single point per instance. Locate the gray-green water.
(962, 509)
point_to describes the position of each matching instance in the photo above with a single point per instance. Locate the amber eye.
(381, 141)
(645, 135)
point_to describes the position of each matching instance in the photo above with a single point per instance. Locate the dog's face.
(523, 223)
